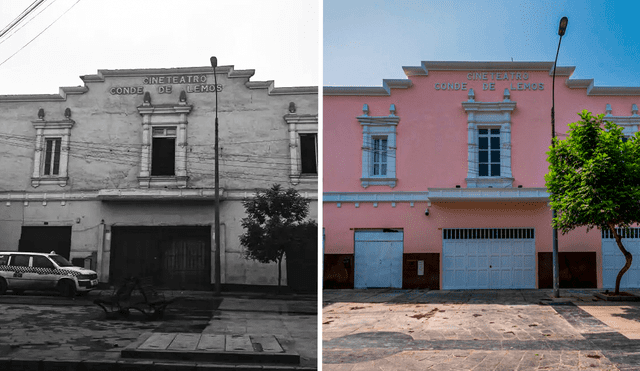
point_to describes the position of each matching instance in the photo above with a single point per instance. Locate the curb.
(53, 364)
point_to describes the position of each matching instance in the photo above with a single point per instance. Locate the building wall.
(432, 132)
(106, 145)
(432, 155)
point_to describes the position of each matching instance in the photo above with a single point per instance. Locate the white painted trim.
(488, 194)
(300, 124)
(441, 195)
(51, 129)
(137, 194)
(164, 115)
(378, 126)
(375, 197)
(630, 124)
(486, 115)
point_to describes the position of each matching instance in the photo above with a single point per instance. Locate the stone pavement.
(42, 331)
(477, 330)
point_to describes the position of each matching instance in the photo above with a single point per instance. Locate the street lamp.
(556, 269)
(214, 64)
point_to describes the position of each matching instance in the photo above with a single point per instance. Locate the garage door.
(613, 260)
(488, 258)
(177, 257)
(378, 258)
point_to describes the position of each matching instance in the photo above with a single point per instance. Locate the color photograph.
(480, 185)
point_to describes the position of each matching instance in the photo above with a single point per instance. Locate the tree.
(274, 225)
(594, 180)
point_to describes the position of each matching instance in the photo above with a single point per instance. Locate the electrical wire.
(41, 32)
(20, 17)
(27, 22)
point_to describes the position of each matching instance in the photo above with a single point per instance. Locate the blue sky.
(366, 41)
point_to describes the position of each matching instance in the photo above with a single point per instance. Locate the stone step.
(209, 348)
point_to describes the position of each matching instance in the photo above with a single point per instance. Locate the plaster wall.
(423, 234)
(105, 154)
(106, 139)
(432, 132)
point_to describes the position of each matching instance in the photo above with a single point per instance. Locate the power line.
(27, 22)
(20, 17)
(41, 32)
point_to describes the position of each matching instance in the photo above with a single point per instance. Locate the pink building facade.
(437, 181)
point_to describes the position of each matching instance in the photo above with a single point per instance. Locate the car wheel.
(3, 286)
(67, 288)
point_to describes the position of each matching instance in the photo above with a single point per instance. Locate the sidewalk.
(48, 332)
(479, 330)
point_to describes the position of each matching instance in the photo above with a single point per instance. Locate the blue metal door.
(613, 260)
(378, 258)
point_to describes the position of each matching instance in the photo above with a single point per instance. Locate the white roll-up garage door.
(488, 258)
(613, 260)
(378, 258)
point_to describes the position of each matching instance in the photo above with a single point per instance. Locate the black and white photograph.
(159, 195)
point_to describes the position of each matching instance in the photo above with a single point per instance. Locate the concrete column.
(38, 154)
(64, 153)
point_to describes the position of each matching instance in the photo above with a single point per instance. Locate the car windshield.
(62, 262)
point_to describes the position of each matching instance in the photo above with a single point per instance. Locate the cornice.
(426, 66)
(294, 118)
(102, 75)
(488, 194)
(442, 195)
(375, 197)
(134, 194)
(61, 97)
(272, 90)
(143, 72)
(384, 90)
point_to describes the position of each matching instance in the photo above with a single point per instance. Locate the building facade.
(437, 181)
(118, 174)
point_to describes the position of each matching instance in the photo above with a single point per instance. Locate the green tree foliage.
(275, 224)
(594, 180)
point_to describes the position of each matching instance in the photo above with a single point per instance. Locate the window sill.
(61, 181)
(163, 181)
(489, 182)
(391, 182)
(305, 179)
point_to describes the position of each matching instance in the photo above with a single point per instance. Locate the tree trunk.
(627, 256)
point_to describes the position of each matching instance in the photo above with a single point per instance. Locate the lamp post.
(556, 269)
(214, 64)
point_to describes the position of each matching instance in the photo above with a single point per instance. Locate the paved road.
(48, 327)
(477, 330)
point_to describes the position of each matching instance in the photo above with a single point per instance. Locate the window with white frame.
(309, 154)
(378, 148)
(489, 142)
(303, 146)
(163, 161)
(51, 155)
(629, 124)
(489, 152)
(379, 156)
(163, 151)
